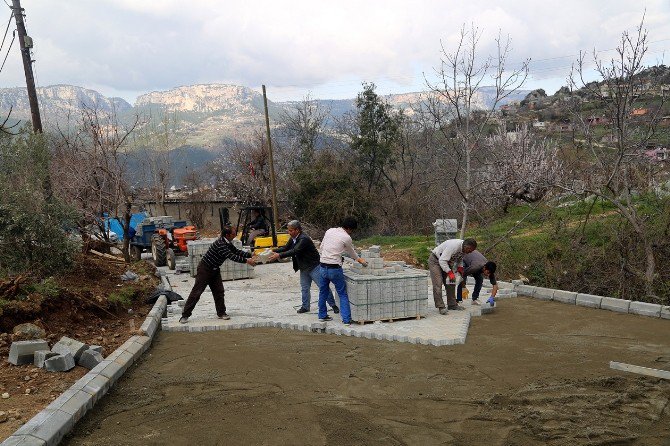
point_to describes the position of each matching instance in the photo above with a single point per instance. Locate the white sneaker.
(475, 302)
(183, 320)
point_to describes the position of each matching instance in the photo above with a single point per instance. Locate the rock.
(27, 332)
(60, 363)
(129, 276)
(97, 348)
(28, 390)
(90, 358)
(23, 352)
(5, 396)
(68, 345)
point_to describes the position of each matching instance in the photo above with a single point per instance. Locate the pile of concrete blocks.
(60, 358)
(385, 290)
(160, 222)
(229, 270)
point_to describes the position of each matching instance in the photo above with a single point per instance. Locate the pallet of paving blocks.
(385, 290)
(229, 270)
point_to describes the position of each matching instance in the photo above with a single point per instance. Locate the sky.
(326, 49)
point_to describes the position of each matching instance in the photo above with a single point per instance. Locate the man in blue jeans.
(336, 242)
(306, 260)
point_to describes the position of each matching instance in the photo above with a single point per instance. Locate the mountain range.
(209, 114)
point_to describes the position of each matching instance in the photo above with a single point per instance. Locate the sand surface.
(533, 373)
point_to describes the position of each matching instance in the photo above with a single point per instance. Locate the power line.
(8, 50)
(9, 22)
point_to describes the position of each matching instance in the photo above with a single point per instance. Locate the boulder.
(28, 332)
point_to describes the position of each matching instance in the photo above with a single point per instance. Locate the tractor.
(165, 237)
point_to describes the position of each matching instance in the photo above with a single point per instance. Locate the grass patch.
(123, 297)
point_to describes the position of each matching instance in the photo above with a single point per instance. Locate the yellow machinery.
(272, 240)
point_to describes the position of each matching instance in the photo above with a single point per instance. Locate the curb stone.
(49, 426)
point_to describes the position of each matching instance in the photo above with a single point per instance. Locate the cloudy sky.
(128, 47)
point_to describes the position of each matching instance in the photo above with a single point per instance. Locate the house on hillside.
(639, 111)
(597, 120)
(658, 154)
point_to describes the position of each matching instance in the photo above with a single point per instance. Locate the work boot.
(325, 319)
(302, 310)
(183, 320)
(336, 309)
(456, 307)
(443, 310)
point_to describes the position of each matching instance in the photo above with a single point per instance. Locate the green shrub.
(123, 297)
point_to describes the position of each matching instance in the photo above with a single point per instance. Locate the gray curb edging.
(593, 301)
(48, 427)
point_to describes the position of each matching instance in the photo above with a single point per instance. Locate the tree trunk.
(650, 270)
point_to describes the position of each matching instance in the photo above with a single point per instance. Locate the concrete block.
(111, 370)
(97, 348)
(90, 358)
(318, 327)
(665, 312)
(48, 425)
(74, 402)
(487, 309)
(543, 293)
(645, 309)
(566, 297)
(60, 363)
(23, 440)
(613, 304)
(23, 352)
(526, 290)
(588, 300)
(97, 387)
(41, 356)
(69, 345)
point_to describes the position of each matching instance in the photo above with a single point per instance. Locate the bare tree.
(617, 170)
(523, 167)
(455, 106)
(303, 126)
(90, 169)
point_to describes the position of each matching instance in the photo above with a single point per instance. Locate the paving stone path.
(271, 299)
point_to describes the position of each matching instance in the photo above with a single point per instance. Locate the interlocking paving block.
(543, 293)
(65, 345)
(23, 352)
(48, 425)
(41, 356)
(613, 304)
(526, 290)
(60, 363)
(90, 358)
(665, 312)
(567, 297)
(588, 300)
(23, 440)
(645, 309)
(487, 309)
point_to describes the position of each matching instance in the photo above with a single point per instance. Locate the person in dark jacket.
(209, 273)
(306, 260)
(256, 227)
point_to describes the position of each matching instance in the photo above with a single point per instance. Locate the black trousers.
(206, 276)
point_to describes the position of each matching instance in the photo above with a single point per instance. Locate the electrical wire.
(8, 50)
(6, 31)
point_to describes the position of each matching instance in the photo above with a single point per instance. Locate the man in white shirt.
(443, 262)
(336, 242)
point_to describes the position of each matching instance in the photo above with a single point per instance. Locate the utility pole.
(275, 219)
(27, 65)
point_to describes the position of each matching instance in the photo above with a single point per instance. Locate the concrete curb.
(593, 301)
(48, 427)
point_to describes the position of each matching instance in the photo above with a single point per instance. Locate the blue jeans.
(306, 279)
(479, 281)
(335, 275)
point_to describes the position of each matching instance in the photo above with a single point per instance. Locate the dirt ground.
(533, 373)
(80, 310)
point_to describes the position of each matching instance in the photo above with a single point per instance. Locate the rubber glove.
(491, 301)
(451, 276)
(459, 270)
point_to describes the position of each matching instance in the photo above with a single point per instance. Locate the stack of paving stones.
(49, 426)
(60, 358)
(385, 290)
(229, 270)
(593, 301)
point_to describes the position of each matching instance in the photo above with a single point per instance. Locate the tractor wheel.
(135, 253)
(158, 250)
(171, 260)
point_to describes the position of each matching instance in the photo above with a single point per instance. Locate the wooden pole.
(27, 66)
(275, 219)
